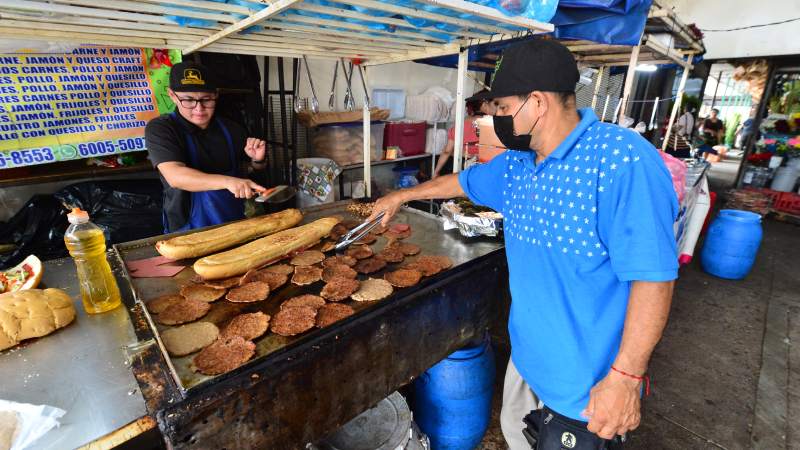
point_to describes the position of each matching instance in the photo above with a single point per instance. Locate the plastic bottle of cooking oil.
(87, 246)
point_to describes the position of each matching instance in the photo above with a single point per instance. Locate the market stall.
(295, 390)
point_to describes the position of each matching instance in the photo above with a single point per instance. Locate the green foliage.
(691, 102)
(730, 129)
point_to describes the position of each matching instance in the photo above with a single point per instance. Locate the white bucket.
(784, 180)
(775, 162)
(793, 163)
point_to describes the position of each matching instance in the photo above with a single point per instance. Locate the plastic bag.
(126, 210)
(32, 422)
(677, 169)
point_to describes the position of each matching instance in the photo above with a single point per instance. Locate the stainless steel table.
(82, 369)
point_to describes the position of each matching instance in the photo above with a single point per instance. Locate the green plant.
(691, 103)
(730, 129)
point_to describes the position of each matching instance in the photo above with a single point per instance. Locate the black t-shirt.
(166, 141)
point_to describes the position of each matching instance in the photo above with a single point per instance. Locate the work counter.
(110, 374)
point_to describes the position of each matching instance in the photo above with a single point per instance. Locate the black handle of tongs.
(358, 232)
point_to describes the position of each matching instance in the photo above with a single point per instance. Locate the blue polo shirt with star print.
(580, 226)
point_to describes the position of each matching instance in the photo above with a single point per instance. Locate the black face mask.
(504, 129)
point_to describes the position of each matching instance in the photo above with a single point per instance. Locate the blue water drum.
(453, 399)
(732, 244)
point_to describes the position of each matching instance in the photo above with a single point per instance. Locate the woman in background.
(475, 109)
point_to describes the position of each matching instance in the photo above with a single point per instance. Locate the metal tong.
(349, 103)
(332, 98)
(314, 101)
(357, 233)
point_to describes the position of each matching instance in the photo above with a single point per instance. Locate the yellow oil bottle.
(87, 246)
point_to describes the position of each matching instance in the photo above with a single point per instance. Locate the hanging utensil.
(364, 85)
(331, 102)
(349, 104)
(314, 101)
(295, 88)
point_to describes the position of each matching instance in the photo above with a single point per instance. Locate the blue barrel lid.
(740, 216)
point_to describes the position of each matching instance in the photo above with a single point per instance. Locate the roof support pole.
(597, 84)
(678, 98)
(458, 148)
(629, 78)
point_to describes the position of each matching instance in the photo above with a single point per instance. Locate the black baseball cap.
(533, 65)
(189, 76)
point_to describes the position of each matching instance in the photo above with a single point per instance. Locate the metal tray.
(426, 232)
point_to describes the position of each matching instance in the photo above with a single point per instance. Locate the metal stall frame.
(680, 50)
(286, 30)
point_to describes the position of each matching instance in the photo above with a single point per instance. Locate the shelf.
(387, 161)
(72, 170)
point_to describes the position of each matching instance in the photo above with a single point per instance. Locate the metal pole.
(629, 79)
(284, 122)
(678, 99)
(458, 149)
(605, 108)
(367, 153)
(598, 82)
(716, 88)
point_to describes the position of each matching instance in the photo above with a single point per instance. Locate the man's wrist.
(259, 162)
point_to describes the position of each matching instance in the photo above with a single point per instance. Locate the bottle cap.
(78, 216)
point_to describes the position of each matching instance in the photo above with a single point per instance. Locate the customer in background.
(714, 128)
(746, 131)
(475, 108)
(678, 145)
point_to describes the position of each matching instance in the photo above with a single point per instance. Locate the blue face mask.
(504, 129)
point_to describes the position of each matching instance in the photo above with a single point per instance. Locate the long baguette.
(239, 260)
(211, 241)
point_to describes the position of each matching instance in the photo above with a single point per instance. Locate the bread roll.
(210, 241)
(262, 251)
(33, 313)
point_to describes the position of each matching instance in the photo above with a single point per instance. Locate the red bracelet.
(644, 378)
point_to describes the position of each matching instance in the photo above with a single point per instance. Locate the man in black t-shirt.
(199, 155)
(714, 128)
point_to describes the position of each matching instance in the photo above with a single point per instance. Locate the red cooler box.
(409, 136)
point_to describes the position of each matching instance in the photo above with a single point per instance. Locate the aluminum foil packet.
(481, 224)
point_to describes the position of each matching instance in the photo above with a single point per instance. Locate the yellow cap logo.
(192, 76)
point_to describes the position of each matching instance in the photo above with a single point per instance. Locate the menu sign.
(91, 101)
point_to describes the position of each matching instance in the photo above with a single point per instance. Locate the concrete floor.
(727, 371)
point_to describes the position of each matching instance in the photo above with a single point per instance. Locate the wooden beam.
(422, 14)
(270, 11)
(486, 12)
(677, 105)
(112, 6)
(629, 78)
(458, 149)
(597, 84)
(282, 25)
(362, 28)
(39, 7)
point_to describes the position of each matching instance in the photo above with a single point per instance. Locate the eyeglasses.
(191, 103)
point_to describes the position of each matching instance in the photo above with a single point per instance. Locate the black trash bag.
(38, 228)
(126, 210)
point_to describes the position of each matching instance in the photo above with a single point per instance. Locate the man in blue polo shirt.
(589, 210)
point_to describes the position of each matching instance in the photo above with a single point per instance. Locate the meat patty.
(370, 265)
(339, 259)
(367, 239)
(224, 355)
(443, 262)
(372, 289)
(403, 277)
(294, 320)
(313, 301)
(426, 267)
(338, 270)
(255, 291)
(248, 326)
(226, 283)
(284, 269)
(339, 288)
(305, 275)
(333, 312)
(202, 292)
(359, 251)
(407, 248)
(189, 338)
(184, 311)
(391, 254)
(307, 258)
(161, 303)
(273, 279)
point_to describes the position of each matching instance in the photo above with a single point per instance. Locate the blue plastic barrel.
(731, 244)
(453, 399)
